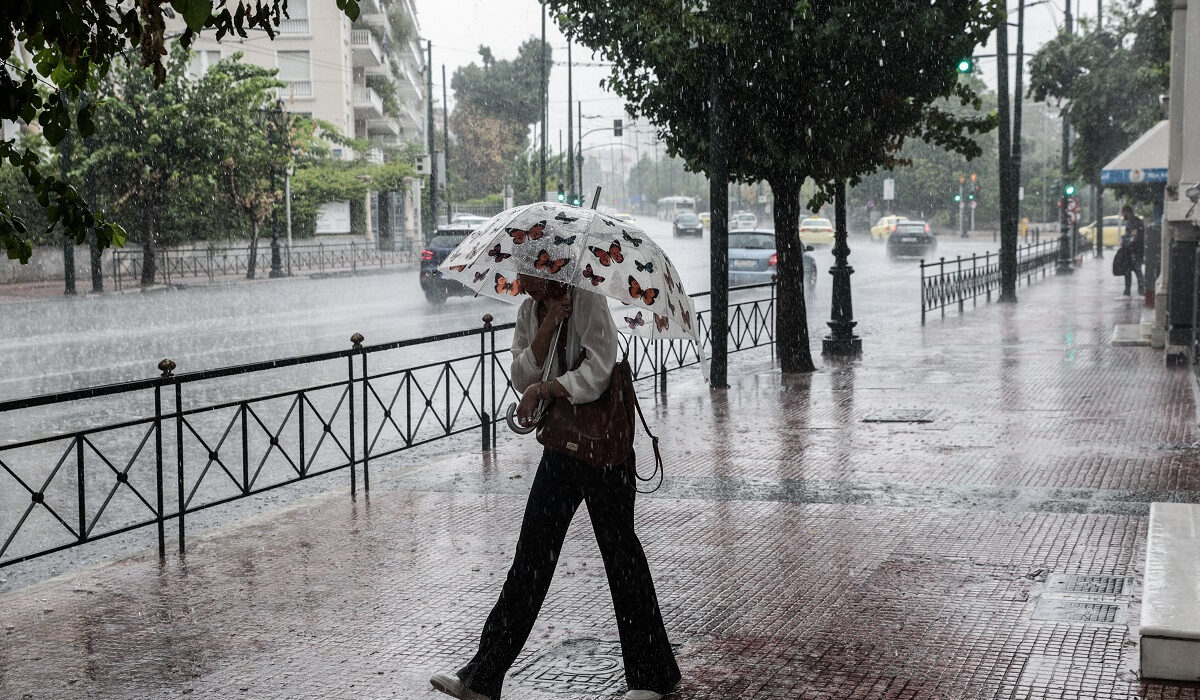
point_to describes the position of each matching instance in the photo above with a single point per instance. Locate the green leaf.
(195, 12)
(352, 10)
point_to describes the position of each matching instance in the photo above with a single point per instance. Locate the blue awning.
(1144, 161)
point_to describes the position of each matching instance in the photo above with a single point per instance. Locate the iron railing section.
(174, 265)
(107, 478)
(955, 282)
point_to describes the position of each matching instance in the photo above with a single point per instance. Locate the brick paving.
(799, 550)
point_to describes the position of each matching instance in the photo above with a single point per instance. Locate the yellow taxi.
(885, 226)
(1114, 226)
(816, 231)
(705, 219)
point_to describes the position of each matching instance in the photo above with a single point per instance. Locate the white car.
(743, 220)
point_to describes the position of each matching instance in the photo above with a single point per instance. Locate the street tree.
(55, 50)
(828, 91)
(486, 152)
(1107, 83)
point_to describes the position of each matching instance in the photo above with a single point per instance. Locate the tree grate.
(1084, 584)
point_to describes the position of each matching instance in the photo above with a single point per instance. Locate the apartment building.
(364, 77)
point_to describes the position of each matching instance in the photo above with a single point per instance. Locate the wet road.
(62, 344)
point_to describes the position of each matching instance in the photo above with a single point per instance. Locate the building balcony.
(296, 89)
(383, 127)
(365, 49)
(375, 155)
(294, 27)
(367, 103)
(411, 119)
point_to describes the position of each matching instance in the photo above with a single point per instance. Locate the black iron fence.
(177, 265)
(949, 282)
(69, 486)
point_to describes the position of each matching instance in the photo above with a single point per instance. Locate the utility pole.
(446, 140)
(1017, 110)
(545, 106)
(579, 150)
(431, 136)
(570, 130)
(1099, 188)
(1065, 264)
(1008, 232)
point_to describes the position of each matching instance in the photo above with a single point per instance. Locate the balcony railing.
(367, 100)
(294, 27)
(296, 89)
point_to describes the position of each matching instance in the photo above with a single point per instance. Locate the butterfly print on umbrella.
(480, 276)
(533, 233)
(638, 292)
(503, 286)
(661, 323)
(687, 317)
(596, 279)
(644, 267)
(458, 268)
(637, 320)
(610, 256)
(559, 240)
(635, 241)
(562, 216)
(549, 264)
(670, 280)
(497, 255)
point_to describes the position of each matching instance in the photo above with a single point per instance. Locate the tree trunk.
(148, 267)
(791, 316)
(252, 260)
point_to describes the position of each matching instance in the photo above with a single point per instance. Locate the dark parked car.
(688, 224)
(436, 287)
(911, 239)
(753, 260)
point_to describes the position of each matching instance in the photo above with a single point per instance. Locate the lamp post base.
(841, 347)
(1064, 265)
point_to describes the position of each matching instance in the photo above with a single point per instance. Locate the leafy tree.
(827, 90)
(505, 89)
(69, 46)
(486, 150)
(1107, 83)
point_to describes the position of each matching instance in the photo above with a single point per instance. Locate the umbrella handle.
(511, 417)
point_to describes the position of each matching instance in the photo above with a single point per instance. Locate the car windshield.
(752, 241)
(817, 223)
(688, 219)
(446, 240)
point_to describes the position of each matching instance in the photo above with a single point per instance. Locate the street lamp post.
(841, 341)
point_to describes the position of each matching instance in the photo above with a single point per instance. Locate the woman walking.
(560, 485)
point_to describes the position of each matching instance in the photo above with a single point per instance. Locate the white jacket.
(589, 328)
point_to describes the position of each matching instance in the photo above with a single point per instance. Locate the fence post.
(353, 257)
(288, 248)
(320, 257)
(245, 450)
(922, 294)
(974, 280)
(485, 417)
(166, 367)
(365, 422)
(987, 265)
(356, 339)
(958, 284)
(81, 484)
(942, 281)
(492, 354)
(771, 324)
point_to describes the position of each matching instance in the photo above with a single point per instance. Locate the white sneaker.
(450, 684)
(643, 695)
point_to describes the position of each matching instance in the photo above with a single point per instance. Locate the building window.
(297, 23)
(202, 61)
(295, 69)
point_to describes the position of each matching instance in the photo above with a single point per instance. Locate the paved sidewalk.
(800, 550)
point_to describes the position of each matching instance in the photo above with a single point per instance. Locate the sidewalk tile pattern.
(798, 551)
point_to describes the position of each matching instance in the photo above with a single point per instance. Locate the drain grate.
(1070, 611)
(575, 667)
(901, 415)
(1083, 584)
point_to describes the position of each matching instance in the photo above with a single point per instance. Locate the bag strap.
(658, 463)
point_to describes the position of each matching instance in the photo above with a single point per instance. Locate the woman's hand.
(558, 309)
(529, 402)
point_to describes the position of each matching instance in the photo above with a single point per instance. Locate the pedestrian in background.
(1134, 240)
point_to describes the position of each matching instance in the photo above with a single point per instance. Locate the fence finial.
(167, 366)
(357, 339)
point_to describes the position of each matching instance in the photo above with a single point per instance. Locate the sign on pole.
(422, 164)
(889, 189)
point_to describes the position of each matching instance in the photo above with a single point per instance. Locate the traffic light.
(618, 125)
(562, 194)
(958, 197)
(1069, 190)
(965, 64)
(575, 200)
(971, 194)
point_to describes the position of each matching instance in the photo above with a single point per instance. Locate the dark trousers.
(558, 488)
(1136, 268)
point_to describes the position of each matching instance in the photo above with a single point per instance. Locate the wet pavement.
(812, 540)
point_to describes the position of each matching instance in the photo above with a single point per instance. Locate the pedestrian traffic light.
(965, 64)
(958, 197)
(562, 194)
(618, 126)
(575, 200)
(1069, 190)
(971, 195)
